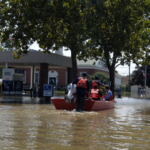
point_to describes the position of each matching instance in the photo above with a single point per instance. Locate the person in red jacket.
(96, 94)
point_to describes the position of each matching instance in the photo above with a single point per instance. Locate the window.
(7, 73)
(24, 78)
(36, 79)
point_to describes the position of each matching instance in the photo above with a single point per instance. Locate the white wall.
(117, 82)
(7, 73)
(134, 88)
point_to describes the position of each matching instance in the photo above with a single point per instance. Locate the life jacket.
(105, 94)
(82, 83)
(95, 93)
(110, 98)
(94, 84)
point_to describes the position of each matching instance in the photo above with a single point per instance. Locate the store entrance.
(52, 80)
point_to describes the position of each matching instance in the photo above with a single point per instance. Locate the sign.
(19, 71)
(6, 78)
(47, 90)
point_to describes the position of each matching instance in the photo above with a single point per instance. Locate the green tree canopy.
(52, 23)
(1, 48)
(138, 77)
(118, 27)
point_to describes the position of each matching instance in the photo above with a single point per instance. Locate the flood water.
(25, 126)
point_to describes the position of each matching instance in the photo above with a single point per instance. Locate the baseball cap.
(84, 74)
(96, 77)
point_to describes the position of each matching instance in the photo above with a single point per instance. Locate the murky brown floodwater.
(40, 126)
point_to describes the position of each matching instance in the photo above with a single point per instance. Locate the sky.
(122, 70)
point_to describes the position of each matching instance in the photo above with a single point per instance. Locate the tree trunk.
(74, 64)
(112, 77)
(111, 68)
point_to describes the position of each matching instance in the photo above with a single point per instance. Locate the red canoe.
(90, 105)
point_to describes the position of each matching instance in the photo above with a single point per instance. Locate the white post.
(31, 78)
(6, 65)
(145, 78)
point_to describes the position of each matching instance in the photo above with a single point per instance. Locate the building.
(125, 81)
(57, 74)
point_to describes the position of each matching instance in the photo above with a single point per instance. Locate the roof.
(124, 80)
(87, 63)
(117, 75)
(99, 64)
(34, 58)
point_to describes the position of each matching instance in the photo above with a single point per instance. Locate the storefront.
(12, 81)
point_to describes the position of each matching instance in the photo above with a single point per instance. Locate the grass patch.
(60, 92)
(126, 92)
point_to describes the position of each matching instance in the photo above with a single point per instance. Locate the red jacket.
(95, 93)
(94, 83)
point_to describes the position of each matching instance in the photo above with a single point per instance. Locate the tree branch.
(117, 66)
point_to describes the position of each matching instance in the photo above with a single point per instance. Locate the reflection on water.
(26, 126)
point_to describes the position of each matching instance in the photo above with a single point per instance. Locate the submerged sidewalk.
(24, 99)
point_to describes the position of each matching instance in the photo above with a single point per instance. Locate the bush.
(123, 88)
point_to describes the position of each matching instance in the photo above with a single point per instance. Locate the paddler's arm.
(75, 81)
(88, 92)
(102, 85)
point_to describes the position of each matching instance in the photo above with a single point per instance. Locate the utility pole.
(145, 78)
(129, 76)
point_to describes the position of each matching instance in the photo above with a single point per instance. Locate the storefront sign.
(19, 71)
(6, 78)
(47, 90)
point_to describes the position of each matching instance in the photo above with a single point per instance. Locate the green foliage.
(120, 28)
(139, 79)
(52, 24)
(128, 88)
(123, 88)
(9, 46)
(1, 48)
(102, 77)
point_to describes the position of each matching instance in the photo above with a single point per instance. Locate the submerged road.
(31, 124)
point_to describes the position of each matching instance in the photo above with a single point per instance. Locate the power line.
(126, 67)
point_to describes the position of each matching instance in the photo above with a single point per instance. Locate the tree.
(1, 48)
(52, 24)
(118, 26)
(139, 75)
(1, 72)
(8, 45)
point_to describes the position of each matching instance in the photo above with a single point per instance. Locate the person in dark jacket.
(82, 86)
